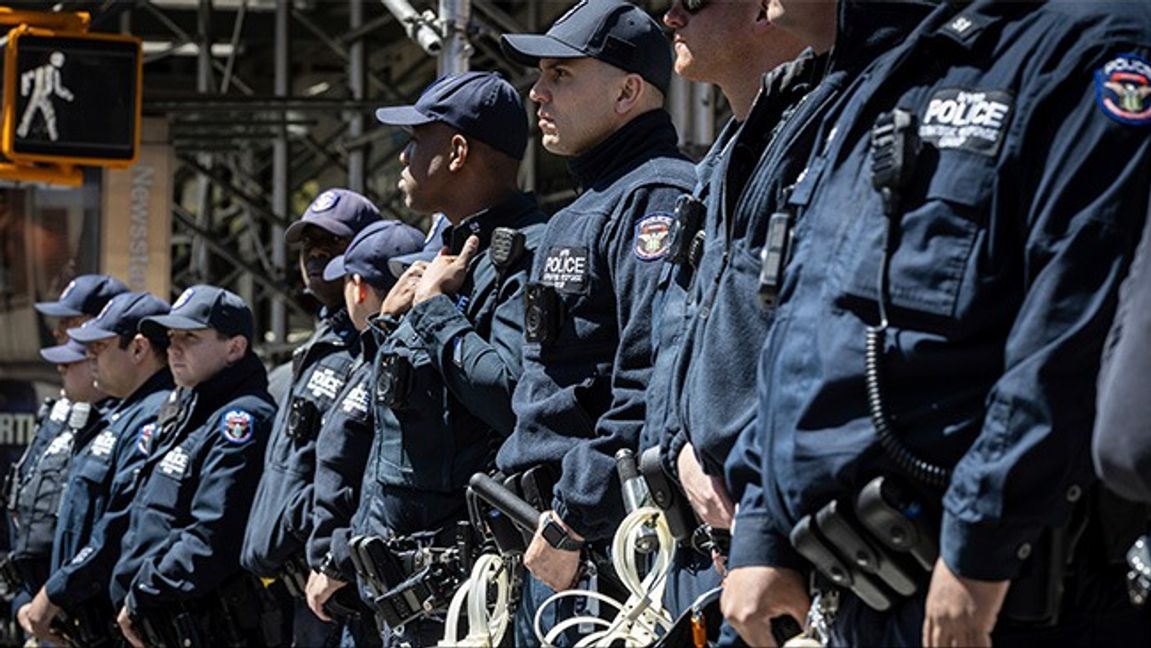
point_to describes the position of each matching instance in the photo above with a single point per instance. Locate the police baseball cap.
(201, 307)
(479, 104)
(120, 317)
(67, 353)
(84, 295)
(433, 243)
(617, 33)
(341, 212)
(368, 254)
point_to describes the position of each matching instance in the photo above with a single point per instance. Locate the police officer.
(730, 44)
(79, 302)
(281, 516)
(939, 327)
(345, 437)
(178, 580)
(451, 331)
(1121, 444)
(94, 513)
(38, 479)
(605, 68)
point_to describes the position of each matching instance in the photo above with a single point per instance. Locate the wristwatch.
(557, 536)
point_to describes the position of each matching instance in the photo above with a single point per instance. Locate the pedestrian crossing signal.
(71, 98)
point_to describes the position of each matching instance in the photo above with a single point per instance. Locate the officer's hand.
(707, 494)
(961, 611)
(36, 617)
(126, 627)
(321, 588)
(399, 298)
(753, 596)
(446, 273)
(553, 567)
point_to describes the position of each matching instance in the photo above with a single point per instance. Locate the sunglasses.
(693, 6)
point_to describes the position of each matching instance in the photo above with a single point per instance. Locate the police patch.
(103, 444)
(184, 298)
(175, 462)
(325, 383)
(566, 269)
(324, 202)
(653, 236)
(61, 443)
(966, 120)
(1123, 89)
(356, 400)
(144, 439)
(237, 426)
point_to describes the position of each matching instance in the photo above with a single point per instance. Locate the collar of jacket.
(506, 213)
(622, 150)
(162, 379)
(335, 327)
(245, 377)
(868, 27)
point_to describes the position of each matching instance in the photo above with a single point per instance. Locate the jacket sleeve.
(587, 496)
(1077, 206)
(199, 557)
(87, 573)
(342, 449)
(481, 373)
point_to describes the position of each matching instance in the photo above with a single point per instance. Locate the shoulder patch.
(1123, 89)
(144, 439)
(653, 236)
(236, 426)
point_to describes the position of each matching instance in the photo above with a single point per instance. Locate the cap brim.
(56, 309)
(335, 269)
(295, 231)
(402, 116)
(86, 334)
(528, 49)
(399, 265)
(61, 354)
(159, 325)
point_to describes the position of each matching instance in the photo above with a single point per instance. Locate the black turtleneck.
(505, 213)
(246, 377)
(651, 133)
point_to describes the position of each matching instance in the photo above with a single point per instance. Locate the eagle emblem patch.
(653, 236)
(237, 426)
(1123, 89)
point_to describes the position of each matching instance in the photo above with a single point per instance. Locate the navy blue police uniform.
(760, 160)
(179, 572)
(464, 353)
(274, 542)
(101, 484)
(38, 494)
(1007, 243)
(345, 436)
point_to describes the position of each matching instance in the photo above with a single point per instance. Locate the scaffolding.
(269, 102)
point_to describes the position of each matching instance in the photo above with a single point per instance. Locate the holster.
(87, 625)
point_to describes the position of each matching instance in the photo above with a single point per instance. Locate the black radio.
(506, 247)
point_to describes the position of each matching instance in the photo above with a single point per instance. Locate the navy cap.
(368, 254)
(84, 295)
(120, 317)
(203, 307)
(480, 104)
(341, 212)
(617, 33)
(433, 243)
(67, 353)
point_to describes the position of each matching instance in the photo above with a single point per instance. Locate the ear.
(139, 348)
(237, 347)
(459, 152)
(631, 91)
(361, 288)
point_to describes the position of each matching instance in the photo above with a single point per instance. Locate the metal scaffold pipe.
(454, 17)
(419, 26)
